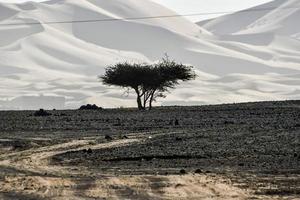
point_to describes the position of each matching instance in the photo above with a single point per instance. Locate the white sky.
(196, 6)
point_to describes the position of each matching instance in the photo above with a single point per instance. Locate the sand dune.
(63, 60)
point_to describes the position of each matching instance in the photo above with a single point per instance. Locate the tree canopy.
(148, 81)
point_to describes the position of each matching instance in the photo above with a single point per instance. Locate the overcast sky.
(197, 6)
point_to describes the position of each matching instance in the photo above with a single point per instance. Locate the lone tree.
(148, 81)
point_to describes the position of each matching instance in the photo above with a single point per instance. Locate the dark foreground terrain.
(237, 151)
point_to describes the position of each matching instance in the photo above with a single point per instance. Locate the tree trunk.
(138, 100)
(150, 105)
(145, 101)
(151, 100)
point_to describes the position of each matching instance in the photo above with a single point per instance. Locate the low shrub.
(90, 107)
(41, 113)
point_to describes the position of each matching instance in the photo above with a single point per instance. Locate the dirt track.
(35, 178)
(241, 151)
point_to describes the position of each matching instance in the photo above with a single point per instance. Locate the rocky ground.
(236, 151)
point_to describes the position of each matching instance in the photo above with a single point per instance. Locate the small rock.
(178, 185)
(182, 171)
(107, 137)
(295, 155)
(228, 122)
(89, 151)
(198, 171)
(124, 137)
(176, 122)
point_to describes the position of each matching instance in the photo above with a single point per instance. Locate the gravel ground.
(255, 145)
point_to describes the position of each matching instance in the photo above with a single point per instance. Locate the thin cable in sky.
(145, 17)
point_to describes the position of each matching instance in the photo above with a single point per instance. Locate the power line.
(145, 17)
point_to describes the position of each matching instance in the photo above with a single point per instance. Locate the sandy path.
(166, 187)
(59, 182)
(37, 160)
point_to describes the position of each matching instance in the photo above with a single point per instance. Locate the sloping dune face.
(57, 48)
(277, 17)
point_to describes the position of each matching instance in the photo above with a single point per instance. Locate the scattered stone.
(89, 151)
(228, 122)
(295, 155)
(124, 137)
(107, 137)
(178, 185)
(198, 171)
(176, 122)
(118, 122)
(149, 158)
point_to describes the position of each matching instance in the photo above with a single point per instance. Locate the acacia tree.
(148, 81)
